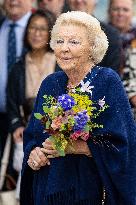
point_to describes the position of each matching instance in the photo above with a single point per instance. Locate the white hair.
(96, 36)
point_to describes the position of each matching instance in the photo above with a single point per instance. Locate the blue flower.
(81, 120)
(66, 102)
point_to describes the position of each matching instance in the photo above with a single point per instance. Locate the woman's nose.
(65, 47)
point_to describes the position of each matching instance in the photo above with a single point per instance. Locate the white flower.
(86, 87)
(102, 102)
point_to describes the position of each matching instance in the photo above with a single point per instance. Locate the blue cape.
(79, 180)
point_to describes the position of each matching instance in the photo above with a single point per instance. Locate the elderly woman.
(102, 169)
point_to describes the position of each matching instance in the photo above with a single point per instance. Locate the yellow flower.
(83, 102)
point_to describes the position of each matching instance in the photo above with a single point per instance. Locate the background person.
(11, 40)
(55, 6)
(26, 77)
(28, 73)
(120, 16)
(112, 58)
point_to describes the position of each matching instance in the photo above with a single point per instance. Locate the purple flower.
(80, 120)
(66, 102)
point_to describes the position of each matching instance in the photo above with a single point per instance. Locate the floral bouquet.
(70, 116)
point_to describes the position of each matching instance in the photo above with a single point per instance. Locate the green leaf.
(38, 116)
(57, 145)
(56, 113)
(46, 109)
(45, 96)
(86, 128)
(61, 152)
(48, 124)
(78, 89)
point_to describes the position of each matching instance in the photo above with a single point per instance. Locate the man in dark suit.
(18, 13)
(112, 58)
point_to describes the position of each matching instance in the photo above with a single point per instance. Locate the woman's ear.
(92, 48)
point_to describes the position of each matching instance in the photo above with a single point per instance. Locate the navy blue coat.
(79, 180)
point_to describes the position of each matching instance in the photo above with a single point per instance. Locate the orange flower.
(56, 123)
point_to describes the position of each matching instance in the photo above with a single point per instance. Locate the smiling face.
(16, 9)
(120, 13)
(72, 48)
(38, 33)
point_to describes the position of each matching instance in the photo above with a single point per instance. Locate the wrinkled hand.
(48, 149)
(37, 159)
(18, 134)
(78, 147)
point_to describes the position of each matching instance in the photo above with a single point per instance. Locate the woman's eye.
(60, 41)
(74, 42)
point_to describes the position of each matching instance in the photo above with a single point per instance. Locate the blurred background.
(101, 9)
